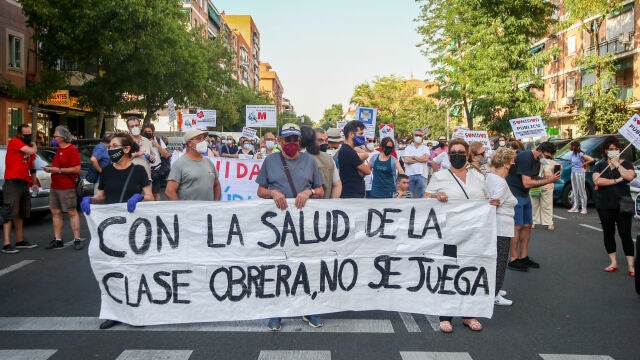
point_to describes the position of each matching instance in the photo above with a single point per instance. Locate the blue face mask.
(54, 142)
(359, 140)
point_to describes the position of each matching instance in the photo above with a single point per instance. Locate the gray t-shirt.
(195, 177)
(303, 169)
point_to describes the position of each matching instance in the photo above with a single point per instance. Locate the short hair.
(127, 140)
(132, 118)
(64, 132)
(502, 157)
(22, 126)
(516, 145)
(401, 177)
(549, 147)
(352, 127)
(458, 141)
(308, 139)
(150, 126)
(576, 147)
(610, 140)
(385, 140)
(414, 131)
(474, 146)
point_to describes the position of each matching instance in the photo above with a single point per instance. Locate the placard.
(261, 116)
(528, 127)
(631, 130)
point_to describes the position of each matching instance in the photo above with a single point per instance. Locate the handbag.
(161, 171)
(535, 192)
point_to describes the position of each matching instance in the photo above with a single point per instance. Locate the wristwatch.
(59, 170)
(313, 192)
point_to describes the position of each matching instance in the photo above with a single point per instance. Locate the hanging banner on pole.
(173, 116)
(528, 127)
(386, 130)
(631, 130)
(206, 118)
(368, 117)
(261, 116)
(200, 261)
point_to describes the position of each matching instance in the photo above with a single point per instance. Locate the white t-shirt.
(444, 181)
(417, 168)
(368, 179)
(497, 188)
(443, 160)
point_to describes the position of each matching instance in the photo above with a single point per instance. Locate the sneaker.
(275, 324)
(24, 244)
(499, 300)
(573, 209)
(530, 263)
(77, 244)
(55, 244)
(584, 211)
(517, 265)
(10, 249)
(314, 321)
(502, 293)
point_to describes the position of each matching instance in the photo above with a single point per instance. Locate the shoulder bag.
(288, 173)
(458, 181)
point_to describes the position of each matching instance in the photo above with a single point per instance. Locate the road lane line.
(559, 217)
(574, 357)
(17, 266)
(294, 355)
(434, 321)
(39, 354)
(288, 325)
(591, 227)
(155, 354)
(421, 355)
(409, 322)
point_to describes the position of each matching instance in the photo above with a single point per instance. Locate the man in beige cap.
(192, 176)
(334, 141)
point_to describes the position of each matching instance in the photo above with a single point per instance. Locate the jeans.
(416, 186)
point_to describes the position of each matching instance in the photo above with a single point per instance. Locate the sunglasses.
(458, 153)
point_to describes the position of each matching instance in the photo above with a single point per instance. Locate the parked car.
(85, 162)
(591, 145)
(559, 143)
(40, 203)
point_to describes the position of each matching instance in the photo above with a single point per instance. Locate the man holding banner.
(290, 174)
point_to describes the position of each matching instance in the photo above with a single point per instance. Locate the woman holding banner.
(121, 181)
(458, 183)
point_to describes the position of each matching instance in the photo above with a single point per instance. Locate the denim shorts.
(524, 213)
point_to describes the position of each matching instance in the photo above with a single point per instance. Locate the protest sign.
(472, 135)
(173, 116)
(197, 261)
(368, 117)
(261, 116)
(248, 132)
(528, 127)
(386, 130)
(206, 118)
(458, 132)
(189, 121)
(631, 130)
(341, 125)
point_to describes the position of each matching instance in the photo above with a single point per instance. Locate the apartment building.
(245, 28)
(562, 78)
(270, 83)
(197, 10)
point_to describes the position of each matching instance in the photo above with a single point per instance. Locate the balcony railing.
(619, 44)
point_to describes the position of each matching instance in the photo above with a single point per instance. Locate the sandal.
(611, 268)
(472, 324)
(446, 327)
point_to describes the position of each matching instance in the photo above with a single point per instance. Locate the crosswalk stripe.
(288, 325)
(155, 355)
(420, 355)
(294, 355)
(574, 357)
(591, 227)
(39, 354)
(559, 217)
(434, 321)
(409, 322)
(14, 267)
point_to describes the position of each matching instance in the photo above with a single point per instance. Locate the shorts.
(524, 213)
(155, 187)
(64, 200)
(16, 200)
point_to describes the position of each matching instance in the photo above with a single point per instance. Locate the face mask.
(387, 150)
(247, 146)
(201, 147)
(291, 149)
(545, 161)
(148, 135)
(332, 152)
(502, 143)
(263, 150)
(417, 139)
(613, 153)
(370, 146)
(457, 161)
(27, 139)
(135, 131)
(359, 140)
(324, 147)
(229, 142)
(54, 142)
(115, 154)
(270, 144)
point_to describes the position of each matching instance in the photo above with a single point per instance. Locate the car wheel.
(567, 196)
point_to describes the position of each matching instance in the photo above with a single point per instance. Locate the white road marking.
(559, 217)
(155, 355)
(288, 325)
(419, 355)
(574, 357)
(434, 321)
(17, 266)
(26, 354)
(591, 227)
(294, 355)
(409, 322)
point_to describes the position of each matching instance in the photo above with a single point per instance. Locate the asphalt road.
(569, 309)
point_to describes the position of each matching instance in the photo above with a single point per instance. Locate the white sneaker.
(573, 209)
(499, 300)
(502, 293)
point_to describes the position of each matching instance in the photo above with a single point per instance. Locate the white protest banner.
(527, 127)
(386, 130)
(476, 135)
(173, 116)
(459, 131)
(341, 125)
(261, 116)
(248, 132)
(206, 118)
(189, 121)
(197, 261)
(368, 117)
(631, 130)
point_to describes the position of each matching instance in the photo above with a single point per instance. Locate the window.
(15, 52)
(570, 87)
(571, 45)
(420, 91)
(15, 120)
(553, 91)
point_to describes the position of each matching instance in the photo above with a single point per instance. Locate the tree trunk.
(34, 120)
(467, 114)
(100, 121)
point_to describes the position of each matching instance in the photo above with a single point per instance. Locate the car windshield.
(586, 144)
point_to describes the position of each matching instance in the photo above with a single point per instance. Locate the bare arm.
(171, 191)
(148, 196)
(96, 164)
(364, 169)
(29, 149)
(529, 183)
(217, 190)
(336, 189)
(399, 168)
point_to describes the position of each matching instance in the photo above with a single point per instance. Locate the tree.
(331, 116)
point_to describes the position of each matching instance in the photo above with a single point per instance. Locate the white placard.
(368, 117)
(261, 116)
(198, 261)
(189, 121)
(249, 132)
(473, 135)
(173, 115)
(631, 130)
(341, 125)
(386, 130)
(528, 127)
(206, 118)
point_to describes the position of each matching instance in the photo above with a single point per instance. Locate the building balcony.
(621, 43)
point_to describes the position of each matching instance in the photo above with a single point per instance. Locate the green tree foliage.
(231, 106)
(331, 116)
(480, 52)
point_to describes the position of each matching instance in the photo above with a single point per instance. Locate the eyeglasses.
(370, 140)
(458, 153)
(292, 139)
(197, 138)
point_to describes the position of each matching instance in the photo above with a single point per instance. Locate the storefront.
(64, 109)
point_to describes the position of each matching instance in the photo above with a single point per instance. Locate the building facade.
(270, 83)
(245, 28)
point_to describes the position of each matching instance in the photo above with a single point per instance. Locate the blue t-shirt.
(576, 162)
(383, 184)
(226, 149)
(102, 155)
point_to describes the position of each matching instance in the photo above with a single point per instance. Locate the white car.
(38, 203)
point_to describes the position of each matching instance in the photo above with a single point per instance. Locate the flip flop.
(611, 269)
(446, 327)
(472, 324)
(632, 273)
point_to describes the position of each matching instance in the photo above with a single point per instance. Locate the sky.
(322, 50)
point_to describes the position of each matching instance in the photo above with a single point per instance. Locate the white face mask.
(201, 147)
(502, 143)
(332, 152)
(370, 146)
(135, 131)
(613, 153)
(247, 146)
(270, 144)
(417, 139)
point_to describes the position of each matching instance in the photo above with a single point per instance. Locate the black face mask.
(148, 135)
(324, 147)
(440, 145)
(27, 138)
(115, 154)
(457, 161)
(387, 150)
